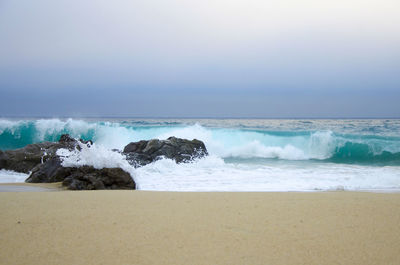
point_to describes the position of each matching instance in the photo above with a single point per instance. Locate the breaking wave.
(225, 143)
(245, 155)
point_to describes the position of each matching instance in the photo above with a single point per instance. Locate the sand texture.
(136, 227)
(22, 187)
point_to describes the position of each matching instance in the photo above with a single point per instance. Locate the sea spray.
(7, 176)
(214, 174)
(94, 155)
(333, 146)
(245, 155)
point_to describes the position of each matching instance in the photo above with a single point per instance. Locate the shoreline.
(147, 227)
(57, 186)
(30, 187)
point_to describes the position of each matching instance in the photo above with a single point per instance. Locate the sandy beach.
(138, 227)
(24, 187)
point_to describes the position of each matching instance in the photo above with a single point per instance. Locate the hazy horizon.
(188, 59)
(119, 116)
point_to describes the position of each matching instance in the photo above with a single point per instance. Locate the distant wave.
(323, 145)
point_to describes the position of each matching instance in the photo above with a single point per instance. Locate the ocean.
(244, 154)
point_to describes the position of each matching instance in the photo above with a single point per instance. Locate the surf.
(245, 155)
(237, 141)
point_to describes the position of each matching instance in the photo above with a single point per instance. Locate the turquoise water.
(337, 141)
(245, 154)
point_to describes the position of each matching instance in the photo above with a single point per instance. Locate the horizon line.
(187, 117)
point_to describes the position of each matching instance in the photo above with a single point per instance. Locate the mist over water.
(245, 155)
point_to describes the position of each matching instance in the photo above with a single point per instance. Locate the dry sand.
(137, 227)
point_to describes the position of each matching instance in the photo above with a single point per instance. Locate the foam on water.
(213, 174)
(95, 155)
(7, 176)
(48, 128)
(245, 155)
(293, 144)
(10, 125)
(238, 143)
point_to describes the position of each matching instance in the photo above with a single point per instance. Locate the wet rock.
(89, 178)
(3, 160)
(26, 158)
(47, 172)
(181, 150)
(81, 178)
(45, 165)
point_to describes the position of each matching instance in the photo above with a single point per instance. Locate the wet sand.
(30, 187)
(137, 227)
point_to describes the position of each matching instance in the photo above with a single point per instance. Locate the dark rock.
(47, 172)
(81, 178)
(135, 147)
(26, 158)
(46, 167)
(72, 143)
(66, 138)
(3, 159)
(89, 178)
(181, 150)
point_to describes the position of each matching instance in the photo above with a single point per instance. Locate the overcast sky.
(205, 58)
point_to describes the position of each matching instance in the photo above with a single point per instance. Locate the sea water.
(244, 154)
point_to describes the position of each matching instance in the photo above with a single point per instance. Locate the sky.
(200, 58)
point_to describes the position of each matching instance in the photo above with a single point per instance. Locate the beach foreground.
(138, 227)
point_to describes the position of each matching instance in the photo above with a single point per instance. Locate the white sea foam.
(247, 144)
(223, 142)
(76, 128)
(112, 135)
(240, 159)
(8, 176)
(321, 145)
(213, 174)
(256, 149)
(11, 126)
(97, 156)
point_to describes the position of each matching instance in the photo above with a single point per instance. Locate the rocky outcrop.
(47, 172)
(89, 178)
(49, 169)
(25, 159)
(3, 160)
(181, 150)
(82, 178)
(46, 166)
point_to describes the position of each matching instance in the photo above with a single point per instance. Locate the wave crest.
(222, 142)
